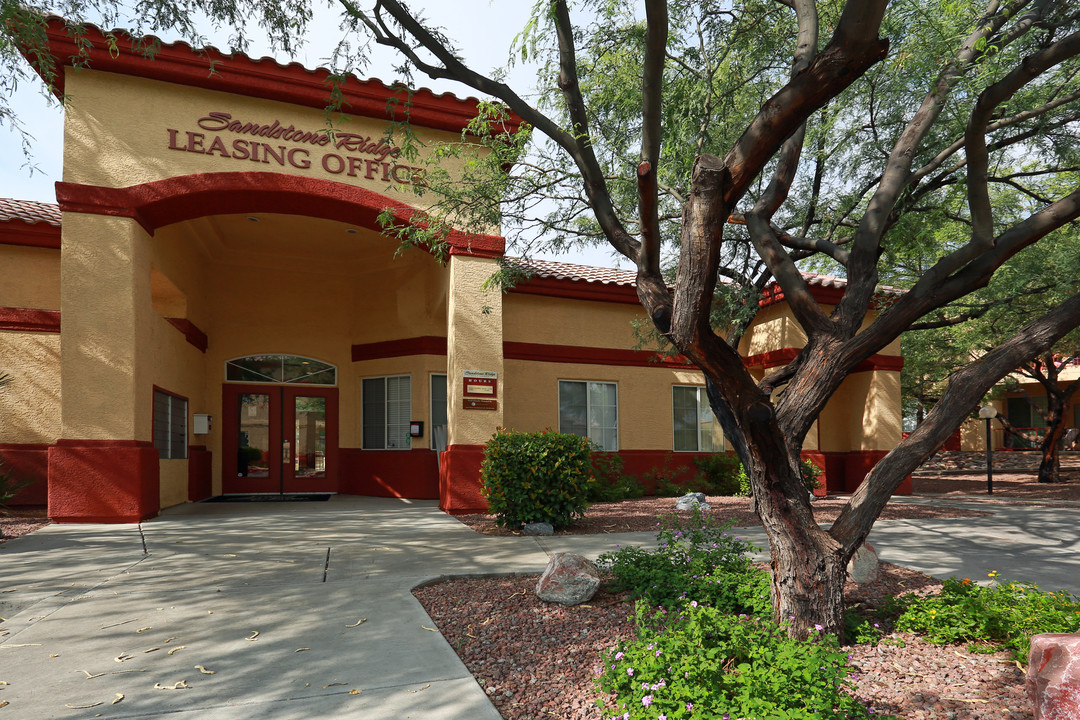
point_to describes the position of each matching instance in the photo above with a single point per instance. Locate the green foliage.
(10, 483)
(705, 663)
(721, 472)
(811, 476)
(696, 559)
(611, 483)
(536, 477)
(1006, 613)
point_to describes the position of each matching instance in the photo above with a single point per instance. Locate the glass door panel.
(310, 434)
(309, 453)
(253, 440)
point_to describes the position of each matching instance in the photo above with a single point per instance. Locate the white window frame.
(431, 406)
(386, 414)
(589, 410)
(170, 441)
(700, 399)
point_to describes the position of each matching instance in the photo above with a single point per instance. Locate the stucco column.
(104, 468)
(474, 343)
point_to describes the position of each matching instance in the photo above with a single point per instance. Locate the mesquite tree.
(754, 137)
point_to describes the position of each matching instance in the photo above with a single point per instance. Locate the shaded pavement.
(304, 610)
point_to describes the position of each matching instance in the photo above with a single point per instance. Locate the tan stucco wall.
(644, 398)
(106, 324)
(474, 342)
(117, 134)
(560, 321)
(30, 405)
(864, 414)
(29, 277)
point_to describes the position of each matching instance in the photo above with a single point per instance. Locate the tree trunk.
(807, 585)
(1050, 464)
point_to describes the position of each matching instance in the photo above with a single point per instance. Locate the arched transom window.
(291, 369)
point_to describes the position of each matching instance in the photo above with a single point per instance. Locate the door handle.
(286, 452)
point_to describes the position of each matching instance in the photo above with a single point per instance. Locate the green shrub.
(536, 477)
(10, 484)
(1004, 614)
(721, 472)
(611, 483)
(811, 475)
(705, 663)
(696, 559)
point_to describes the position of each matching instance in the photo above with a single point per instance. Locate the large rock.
(863, 566)
(691, 500)
(538, 528)
(1053, 676)
(568, 580)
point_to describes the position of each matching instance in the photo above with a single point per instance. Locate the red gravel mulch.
(18, 521)
(641, 515)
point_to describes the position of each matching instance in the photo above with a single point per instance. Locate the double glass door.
(279, 439)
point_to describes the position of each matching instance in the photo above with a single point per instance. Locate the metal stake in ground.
(988, 413)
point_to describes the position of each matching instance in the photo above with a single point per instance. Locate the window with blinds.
(695, 428)
(387, 407)
(170, 426)
(590, 409)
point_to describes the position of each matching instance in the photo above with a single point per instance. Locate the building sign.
(482, 383)
(336, 152)
(479, 404)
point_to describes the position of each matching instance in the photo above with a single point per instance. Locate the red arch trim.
(164, 202)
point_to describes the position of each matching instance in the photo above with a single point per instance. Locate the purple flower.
(662, 716)
(819, 628)
(689, 706)
(693, 603)
(657, 653)
(629, 671)
(619, 655)
(647, 700)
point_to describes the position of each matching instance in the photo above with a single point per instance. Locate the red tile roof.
(571, 271)
(615, 276)
(29, 211)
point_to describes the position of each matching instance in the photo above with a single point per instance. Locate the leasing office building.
(210, 308)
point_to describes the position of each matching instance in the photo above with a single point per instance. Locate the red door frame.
(282, 414)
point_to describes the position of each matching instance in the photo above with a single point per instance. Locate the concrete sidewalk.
(304, 610)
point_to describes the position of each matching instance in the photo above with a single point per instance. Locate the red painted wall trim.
(540, 352)
(578, 290)
(783, 356)
(164, 202)
(390, 473)
(191, 332)
(39, 234)
(459, 480)
(774, 294)
(422, 345)
(104, 443)
(29, 320)
(240, 75)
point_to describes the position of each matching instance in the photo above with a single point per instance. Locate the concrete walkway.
(303, 610)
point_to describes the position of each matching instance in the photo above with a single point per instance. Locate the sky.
(482, 29)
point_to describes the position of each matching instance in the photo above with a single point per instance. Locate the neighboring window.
(291, 369)
(387, 404)
(693, 420)
(590, 409)
(439, 424)
(170, 426)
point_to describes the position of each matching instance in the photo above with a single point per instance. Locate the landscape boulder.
(539, 528)
(1053, 676)
(863, 567)
(568, 580)
(689, 500)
